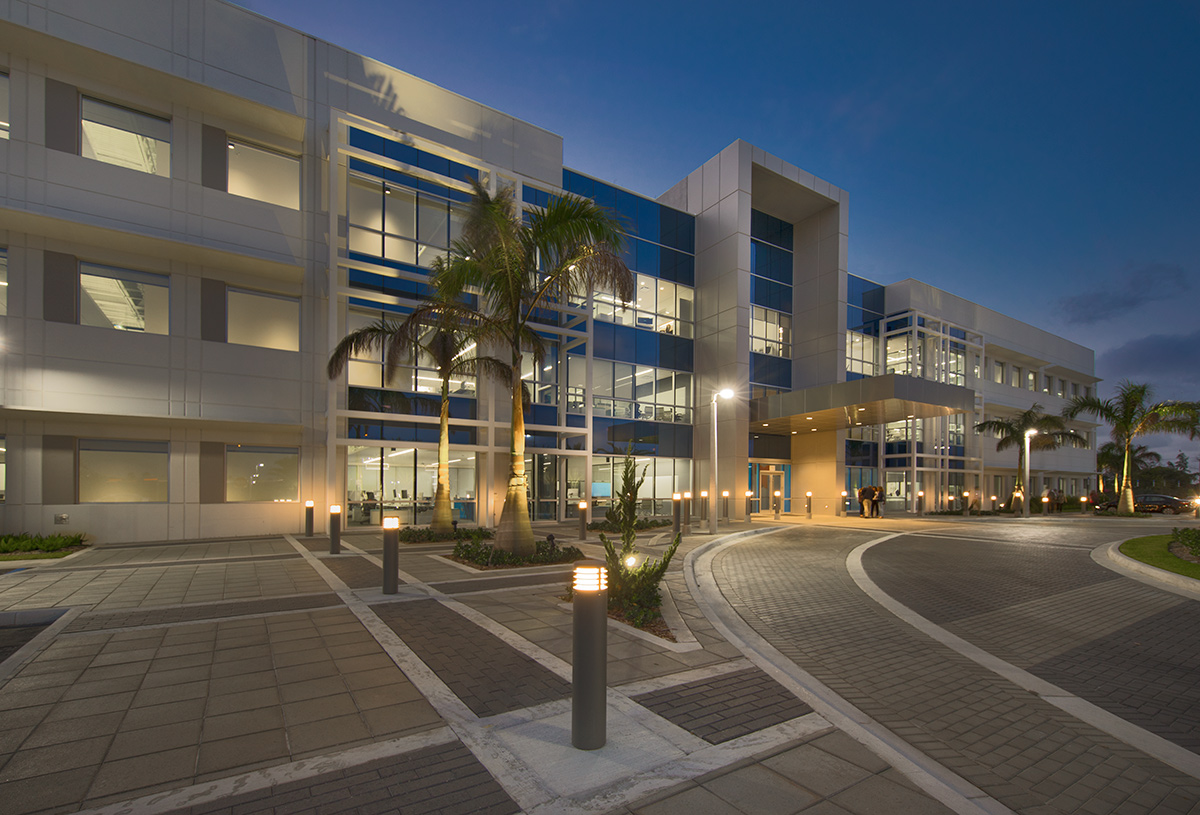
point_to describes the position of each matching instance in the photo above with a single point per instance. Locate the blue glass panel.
(648, 348)
(895, 462)
(629, 252)
(861, 453)
(647, 258)
(541, 440)
(402, 152)
(542, 414)
(575, 443)
(770, 294)
(853, 375)
(770, 261)
(773, 371)
(648, 225)
(624, 343)
(367, 141)
(771, 229)
(677, 267)
(604, 337)
(894, 325)
(575, 420)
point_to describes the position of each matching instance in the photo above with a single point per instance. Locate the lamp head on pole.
(724, 393)
(590, 576)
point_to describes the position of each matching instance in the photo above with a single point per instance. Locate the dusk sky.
(1042, 159)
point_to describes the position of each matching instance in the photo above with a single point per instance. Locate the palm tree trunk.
(514, 533)
(1125, 507)
(442, 516)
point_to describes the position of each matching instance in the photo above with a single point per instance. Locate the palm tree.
(1132, 412)
(1052, 433)
(427, 330)
(522, 264)
(1110, 458)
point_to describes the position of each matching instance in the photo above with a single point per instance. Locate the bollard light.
(335, 529)
(920, 502)
(589, 664)
(1045, 505)
(703, 505)
(725, 501)
(583, 520)
(778, 504)
(749, 505)
(391, 555)
(993, 503)
(308, 519)
(808, 504)
(844, 506)
(676, 509)
(687, 513)
(966, 503)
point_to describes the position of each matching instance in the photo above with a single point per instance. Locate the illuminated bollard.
(687, 513)
(583, 520)
(920, 502)
(391, 555)
(808, 505)
(335, 529)
(966, 503)
(778, 504)
(703, 505)
(308, 519)
(1045, 505)
(843, 507)
(749, 504)
(993, 503)
(676, 508)
(589, 663)
(725, 502)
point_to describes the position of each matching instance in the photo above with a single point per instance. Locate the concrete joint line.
(686, 640)
(1109, 556)
(26, 653)
(1149, 743)
(942, 784)
(403, 575)
(658, 683)
(212, 791)
(448, 562)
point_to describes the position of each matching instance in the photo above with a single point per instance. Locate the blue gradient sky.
(1039, 158)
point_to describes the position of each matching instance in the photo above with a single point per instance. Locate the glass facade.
(123, 299)
(261, 473)
(115, 471)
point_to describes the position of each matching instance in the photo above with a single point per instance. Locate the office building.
(199, 202)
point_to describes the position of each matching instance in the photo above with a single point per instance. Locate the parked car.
(1165, 504)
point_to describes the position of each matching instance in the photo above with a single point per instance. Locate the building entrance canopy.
(873, 401)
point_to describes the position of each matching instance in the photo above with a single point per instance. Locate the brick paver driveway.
(1028, 593)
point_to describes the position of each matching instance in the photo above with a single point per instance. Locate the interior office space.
(197, 208)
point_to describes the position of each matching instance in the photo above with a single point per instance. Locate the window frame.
(85, 99)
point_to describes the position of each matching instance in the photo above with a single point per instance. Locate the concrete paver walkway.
(268, 676)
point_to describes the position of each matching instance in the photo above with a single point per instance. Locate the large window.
(115, 471)
(123, 299)
(402, 481)
(5, 126)
(861, 352)
(261, 473)
(127, 138)
(658, 305)
(264, 175)
(415, 374)
(770, 332)
(623, 390)
(265, 320)
(399, 224)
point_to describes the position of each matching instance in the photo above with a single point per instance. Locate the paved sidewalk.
(265, 675)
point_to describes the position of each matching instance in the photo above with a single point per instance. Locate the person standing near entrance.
(877, 499)
(864, 500)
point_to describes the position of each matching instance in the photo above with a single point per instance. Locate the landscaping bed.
(35, 547)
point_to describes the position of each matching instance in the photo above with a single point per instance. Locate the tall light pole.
(724, 393)
(1029, 434)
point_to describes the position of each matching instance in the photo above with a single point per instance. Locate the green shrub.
(474, 550)
(1189, 537)
(424, 534)
(26, 542)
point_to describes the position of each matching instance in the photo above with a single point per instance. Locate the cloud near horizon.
(1166, 361)
(1129, 288)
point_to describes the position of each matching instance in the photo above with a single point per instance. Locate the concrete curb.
(1109, 556)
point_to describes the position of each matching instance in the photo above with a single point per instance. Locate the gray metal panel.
(58, 469)
(212, 472)
(60, 288)
(62, 117)
(212, 310)
(214, 158)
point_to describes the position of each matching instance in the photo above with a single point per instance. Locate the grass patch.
(1152, 550)
(36, 547)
